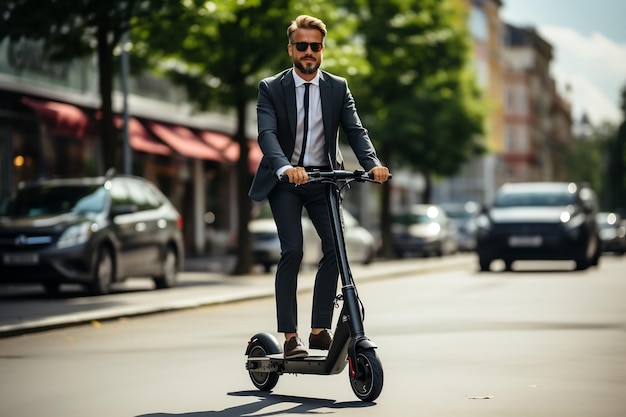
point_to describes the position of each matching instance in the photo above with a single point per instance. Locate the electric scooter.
(350, 346)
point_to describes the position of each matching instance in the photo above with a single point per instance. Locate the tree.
(79, 28)
(423, 106)
(616, 177)
(586, 158)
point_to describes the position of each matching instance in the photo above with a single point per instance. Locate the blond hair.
(306, 22)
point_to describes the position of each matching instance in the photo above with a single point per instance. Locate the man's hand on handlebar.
(297, 175)
(380, 174)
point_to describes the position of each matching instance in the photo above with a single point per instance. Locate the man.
(299, 113)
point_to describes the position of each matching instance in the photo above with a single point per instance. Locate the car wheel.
(103, 274)
(369, 257)
(582, 264)
(485, 264)
(508, 265)
(595, 260)
(169, 271)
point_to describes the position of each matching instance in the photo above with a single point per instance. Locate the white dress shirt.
(314, 154)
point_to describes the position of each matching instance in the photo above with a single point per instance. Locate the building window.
(510, 101)
(509, 144)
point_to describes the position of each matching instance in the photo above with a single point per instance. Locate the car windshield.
(51, 200)
(413, 218)
(534, 199)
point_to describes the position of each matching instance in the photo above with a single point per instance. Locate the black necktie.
(306, 123)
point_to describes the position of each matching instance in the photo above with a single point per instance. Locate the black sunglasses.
(302, 46)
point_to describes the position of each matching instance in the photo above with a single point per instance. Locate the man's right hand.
(297, 175)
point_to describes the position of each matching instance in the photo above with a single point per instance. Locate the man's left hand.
(381, 174)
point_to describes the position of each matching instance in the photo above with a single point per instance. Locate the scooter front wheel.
(264, 381)
(366, 375)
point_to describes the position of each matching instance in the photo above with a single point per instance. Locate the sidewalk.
(25, 313)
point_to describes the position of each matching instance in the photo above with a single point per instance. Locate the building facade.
(538, 125)
(528, 127)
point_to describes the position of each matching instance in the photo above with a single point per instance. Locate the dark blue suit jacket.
(276, 118)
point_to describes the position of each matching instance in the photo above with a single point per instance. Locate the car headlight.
(482, 225)
(572, 221)
(76, 235)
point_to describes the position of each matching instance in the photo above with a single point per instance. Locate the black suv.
(540, 220)
(92, 231)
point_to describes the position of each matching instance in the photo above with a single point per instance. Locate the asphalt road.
(540, 341)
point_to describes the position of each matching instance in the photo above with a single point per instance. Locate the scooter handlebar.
(338, 174)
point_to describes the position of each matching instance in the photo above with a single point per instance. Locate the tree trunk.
(244, 250)
(385, 212)
(108, 134)
(427, 194)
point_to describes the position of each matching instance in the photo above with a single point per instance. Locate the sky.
(589, 41)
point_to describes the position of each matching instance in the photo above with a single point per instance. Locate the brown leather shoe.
(294, 348)
(321, 341)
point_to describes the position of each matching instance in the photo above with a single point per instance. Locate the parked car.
(425, 230)
(612, 232)
(361, 245)
(463, 215)
(90, 231)
(540, 221)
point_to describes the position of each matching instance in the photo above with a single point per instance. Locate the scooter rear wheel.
(264, 381)
(367, 381)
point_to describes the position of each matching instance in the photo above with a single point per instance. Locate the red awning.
(141, 140)
(185, 142)
(62, 119)
(223, 143)
(230, 149)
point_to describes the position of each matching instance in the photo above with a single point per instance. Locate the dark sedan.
(90, 231)
(540, 221)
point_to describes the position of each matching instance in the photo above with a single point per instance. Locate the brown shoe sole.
(297, 355)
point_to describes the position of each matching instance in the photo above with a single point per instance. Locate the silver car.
(425, 230)
(361, 245)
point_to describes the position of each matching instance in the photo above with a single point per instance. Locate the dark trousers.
(286, 202)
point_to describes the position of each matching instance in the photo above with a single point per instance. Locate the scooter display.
(350, 346)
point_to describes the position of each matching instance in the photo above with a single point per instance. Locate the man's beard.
(310, 69)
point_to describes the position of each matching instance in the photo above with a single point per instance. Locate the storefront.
(194, 167)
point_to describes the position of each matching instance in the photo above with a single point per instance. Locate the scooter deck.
(314, 364)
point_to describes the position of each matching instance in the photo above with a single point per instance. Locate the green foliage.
(71, 28)
(616, 168)
(420, 98)
(216, 49)
(589, 159)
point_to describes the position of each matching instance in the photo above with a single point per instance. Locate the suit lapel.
(327, 116)
(289, 92)
(327, 107)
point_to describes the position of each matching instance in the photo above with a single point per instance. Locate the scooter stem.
(351, 302)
